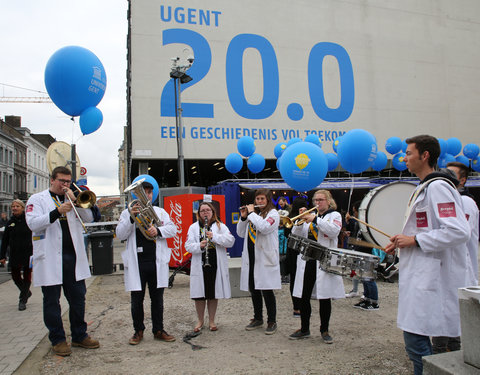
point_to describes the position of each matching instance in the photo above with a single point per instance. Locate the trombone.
(288, 222)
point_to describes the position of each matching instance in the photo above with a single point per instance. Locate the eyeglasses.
(319, 200)
(206, 210)
(64, 181)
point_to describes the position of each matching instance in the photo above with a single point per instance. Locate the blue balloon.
(463, 159)
(332, 161)
(278, 150)
(357, 150)
(335, 143)
(471, 150)
(443, 146)
(246, 146)
(256, 163)
(404, 146)
(75, 79)
(278, 163)
(293, 141)
(151, 180)
(398, 162)
(90, 120)
(380, 162)
(233, 163)
(393, 145)
(445, 159)
(313, 138)
(454, 146)
(476, 164)
(303, 166)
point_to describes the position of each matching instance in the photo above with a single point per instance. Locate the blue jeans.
(417, 346)
(74, 292)
(370, 290)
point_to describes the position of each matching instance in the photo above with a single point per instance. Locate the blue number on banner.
(203, 60)
(234, 76)
(315, 82)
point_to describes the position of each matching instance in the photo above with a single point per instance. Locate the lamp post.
(179, 75)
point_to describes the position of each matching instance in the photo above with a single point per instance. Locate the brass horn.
(288, 222)
(85, 198)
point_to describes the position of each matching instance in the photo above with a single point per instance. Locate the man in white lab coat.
(433, 255)
(60, 260)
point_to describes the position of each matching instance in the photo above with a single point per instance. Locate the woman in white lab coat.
(207, 241)
(310, 281)
(260, 272)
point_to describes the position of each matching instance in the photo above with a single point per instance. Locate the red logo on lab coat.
(270, 220)
(422, 221)
(447, 209)
(30, 208)
(467, 216)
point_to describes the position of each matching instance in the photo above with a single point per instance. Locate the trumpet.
(288, 222)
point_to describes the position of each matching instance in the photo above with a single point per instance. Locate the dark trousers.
(74, 292)
(443, 344)
(268, 296)
(148, 276)
(292, 269)
(309, 279)
(17, 274)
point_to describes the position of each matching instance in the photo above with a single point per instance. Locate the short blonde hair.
(331, 202)
(18, 201)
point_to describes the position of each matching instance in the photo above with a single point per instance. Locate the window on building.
(10, 183)
(1, 154)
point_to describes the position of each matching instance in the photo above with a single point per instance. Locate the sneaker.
(327, 339)
(352, 294)
(62, 349)
(164, 336)
(87, 343)
(361, 304)
(298, 334)
(136, 338)
(254, 324)
(271, 328)
(370, 306)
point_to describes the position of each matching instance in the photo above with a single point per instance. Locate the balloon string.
(351, 192)
(73, 128)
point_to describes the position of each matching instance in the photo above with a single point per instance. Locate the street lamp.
(179, 75)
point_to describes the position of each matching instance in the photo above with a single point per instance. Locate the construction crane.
(24, 99)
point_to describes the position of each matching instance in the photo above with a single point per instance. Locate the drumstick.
(353, 241)
(370, 226)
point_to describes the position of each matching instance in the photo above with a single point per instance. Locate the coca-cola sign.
(176, 217)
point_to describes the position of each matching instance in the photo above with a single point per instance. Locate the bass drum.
(384, 208)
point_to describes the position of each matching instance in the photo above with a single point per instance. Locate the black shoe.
(327, 339)
(361, 304)
(22, 306)
(299, 335)
(271, 328)
(254, 324)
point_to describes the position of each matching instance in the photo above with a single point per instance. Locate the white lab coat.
(266, 273)
(327, 285)
(471, 213)
(222, 238)
(47, 240)
(430, 275)
(126, 231)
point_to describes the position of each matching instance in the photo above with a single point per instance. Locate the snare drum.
(294, 242)
(384, 208)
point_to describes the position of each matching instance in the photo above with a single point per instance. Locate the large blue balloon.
(443, 146)
(454, 146)
(313, 138)
(75, 79)
(463, 159)
(381, 161)
(303, 166)
(278, 150)
(256, 163)
(398, 162)
(393, 145)
(357, 150)
(332, 161)
(445, 159)
(233, 163)
(476, 164)
(471, 150)
(246, 146)
(151, 180)
(90, 120)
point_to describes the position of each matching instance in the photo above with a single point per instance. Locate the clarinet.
(205, 228)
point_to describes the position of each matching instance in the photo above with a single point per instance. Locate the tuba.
(147, 216)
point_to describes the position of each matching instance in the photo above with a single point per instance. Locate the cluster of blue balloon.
(246, 147)
(76, 81)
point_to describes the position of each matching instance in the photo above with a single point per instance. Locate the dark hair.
(462, 169)
(270, 206)
(60, 170)
(283, 199)
(298, 203)
(426, 143)
(214, 213)
(356, 205)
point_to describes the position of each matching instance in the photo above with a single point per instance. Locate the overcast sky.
(32, 31)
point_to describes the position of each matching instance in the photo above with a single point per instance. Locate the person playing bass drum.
(207, 240)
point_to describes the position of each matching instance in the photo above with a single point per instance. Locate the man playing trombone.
(60, 259)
